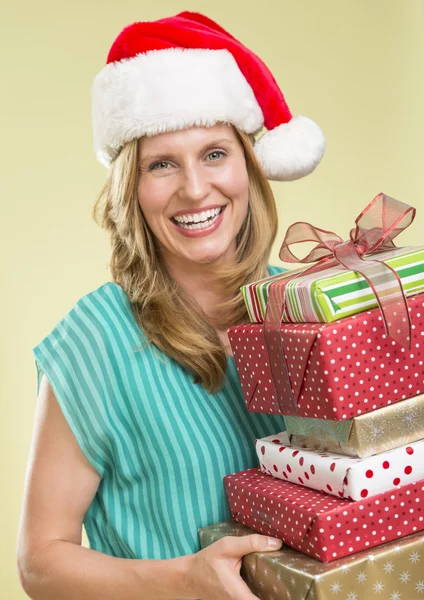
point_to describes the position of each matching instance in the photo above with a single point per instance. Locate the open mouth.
(207, 222)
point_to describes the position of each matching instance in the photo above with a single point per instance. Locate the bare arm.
(59, 487)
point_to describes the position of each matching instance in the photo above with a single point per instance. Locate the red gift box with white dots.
(352, 366)
(317, 523)
(339, 475)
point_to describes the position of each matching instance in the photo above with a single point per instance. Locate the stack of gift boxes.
(346, 477)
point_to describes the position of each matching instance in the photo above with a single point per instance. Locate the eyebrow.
(169, 155)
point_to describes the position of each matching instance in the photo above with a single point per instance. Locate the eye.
(216, 154)
(161, 165)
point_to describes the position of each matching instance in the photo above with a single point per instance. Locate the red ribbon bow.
(376, 227)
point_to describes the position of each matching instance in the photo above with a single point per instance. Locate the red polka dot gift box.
(334, 370)
(341, 476)
(317, 523)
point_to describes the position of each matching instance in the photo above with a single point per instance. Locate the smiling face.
(193, 193)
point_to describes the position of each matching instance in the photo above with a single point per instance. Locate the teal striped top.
(161, 443)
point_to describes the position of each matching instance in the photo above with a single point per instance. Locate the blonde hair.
(168, 316)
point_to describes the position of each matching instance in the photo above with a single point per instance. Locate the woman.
(140, 412)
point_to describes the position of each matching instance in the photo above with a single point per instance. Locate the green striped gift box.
(335, 293)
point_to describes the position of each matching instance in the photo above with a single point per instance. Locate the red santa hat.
(186, 70)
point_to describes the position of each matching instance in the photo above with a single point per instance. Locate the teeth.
(202, 225)
(198, 217)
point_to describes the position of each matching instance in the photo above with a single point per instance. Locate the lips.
(206, 229)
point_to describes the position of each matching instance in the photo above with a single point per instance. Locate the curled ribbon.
(375, 229)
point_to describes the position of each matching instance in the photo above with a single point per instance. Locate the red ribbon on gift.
(376, 227)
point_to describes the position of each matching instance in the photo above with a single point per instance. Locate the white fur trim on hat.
(291, 150)
(167, 90)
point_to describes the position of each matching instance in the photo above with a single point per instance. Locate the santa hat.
(186, 70)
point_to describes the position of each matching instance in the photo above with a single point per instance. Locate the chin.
(206, 259)
(214, 252)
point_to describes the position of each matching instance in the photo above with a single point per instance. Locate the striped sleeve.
(68, 356)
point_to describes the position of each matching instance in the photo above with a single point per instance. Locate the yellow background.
(354, 66)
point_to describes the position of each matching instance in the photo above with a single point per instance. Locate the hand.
(215, 570)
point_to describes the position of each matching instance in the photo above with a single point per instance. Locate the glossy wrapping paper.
(335, 293)
(393, 571)
(340, 370)
(338, 475)
(371, 433)
(317, 523)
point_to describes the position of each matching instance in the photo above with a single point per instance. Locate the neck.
(199, 281)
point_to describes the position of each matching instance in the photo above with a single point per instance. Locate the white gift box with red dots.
(352, 366)
(318, 523)
(339, 475)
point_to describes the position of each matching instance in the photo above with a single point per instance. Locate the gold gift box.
(371, 433)
(392, 571)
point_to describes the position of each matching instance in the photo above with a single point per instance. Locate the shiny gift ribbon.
(375, 229)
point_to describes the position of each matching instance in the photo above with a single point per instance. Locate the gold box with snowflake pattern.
(392, 571)
(371, 433)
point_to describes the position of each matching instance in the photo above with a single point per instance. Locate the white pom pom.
(291, 150)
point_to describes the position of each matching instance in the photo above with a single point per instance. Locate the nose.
(195, 184)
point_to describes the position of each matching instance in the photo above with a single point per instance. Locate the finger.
(236, 546)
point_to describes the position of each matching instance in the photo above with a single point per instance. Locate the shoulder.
(98, 320)
(108, 294)
(107, 303)
(99, 308)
